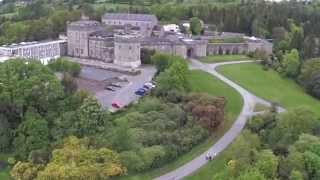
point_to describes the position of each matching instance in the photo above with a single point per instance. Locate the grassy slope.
(202, 82)
(223, 58)
(266, 84)
(271, 86)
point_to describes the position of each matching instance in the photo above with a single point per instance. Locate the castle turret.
(127, 51)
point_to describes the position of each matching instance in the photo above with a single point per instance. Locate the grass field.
(202, 82)
(271, 86)
(4, 174)
(267, 84)
(223, 58)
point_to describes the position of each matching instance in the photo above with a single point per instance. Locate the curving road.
(249, 102)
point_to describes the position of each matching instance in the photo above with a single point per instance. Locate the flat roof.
(33, 43)
(130, 17)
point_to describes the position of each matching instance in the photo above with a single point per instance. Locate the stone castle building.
(120, 38)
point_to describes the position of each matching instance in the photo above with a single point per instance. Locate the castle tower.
(78, 34)
(127, 51)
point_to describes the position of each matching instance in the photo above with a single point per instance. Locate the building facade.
(120, 38)
(145, 22)
(43, 51)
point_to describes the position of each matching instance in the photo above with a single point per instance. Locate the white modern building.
(43, 51)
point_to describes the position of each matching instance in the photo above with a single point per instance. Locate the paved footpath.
(249, 102)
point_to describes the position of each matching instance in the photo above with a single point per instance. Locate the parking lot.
(94, 80)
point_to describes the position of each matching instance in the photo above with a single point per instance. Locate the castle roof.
(85, 23)
(130, 17)
(102, 33)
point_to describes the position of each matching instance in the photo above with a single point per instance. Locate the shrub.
(62, 65)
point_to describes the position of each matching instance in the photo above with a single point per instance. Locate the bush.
(146, 55)
(62, 65)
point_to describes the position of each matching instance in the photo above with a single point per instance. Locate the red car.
(115, 105)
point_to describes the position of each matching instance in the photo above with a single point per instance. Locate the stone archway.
(190, 52)
(220, 51)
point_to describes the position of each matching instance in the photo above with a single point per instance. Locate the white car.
(150, 85)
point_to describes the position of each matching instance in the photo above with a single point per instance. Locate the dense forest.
(55, 131)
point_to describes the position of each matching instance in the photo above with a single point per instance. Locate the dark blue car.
(140, 92)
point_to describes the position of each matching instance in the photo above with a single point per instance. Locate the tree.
(291, 125)
(267, 163)
(296, 175)
(173, 78)
(25, 171)
(291, 63)
(312, 163)
(146, 55)
(296, 35)
(132, 161)
(77, 160)
(244, 151)
(309, 68)
(161, 61)
(91, 117)
(123, 139)
(152, 155)
(69, 84)
(5, 134)
(196, 26)
(252, 174)
(32, 134)
(208, 110)
(313, 86)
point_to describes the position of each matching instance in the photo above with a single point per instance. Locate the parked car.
(149, 85)
(115, 85)
(110, 88)
(146, 87)
(141, 92)
(115, 105)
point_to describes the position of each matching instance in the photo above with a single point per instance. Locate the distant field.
(202, 82)
(271, 86)
(224, 58)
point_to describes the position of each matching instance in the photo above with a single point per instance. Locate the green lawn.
(4, 174)
(223, 58)
(271, 86)
(202, 82)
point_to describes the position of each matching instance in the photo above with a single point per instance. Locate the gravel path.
(249, 102)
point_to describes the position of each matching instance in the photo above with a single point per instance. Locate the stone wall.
(180, 50)
(101, 49)
(199, 50)
(261, 45)
(227, 48)
(146, 27)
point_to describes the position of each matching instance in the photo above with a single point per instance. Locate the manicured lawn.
(202, 82)
(271, 86)
(223, 58)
